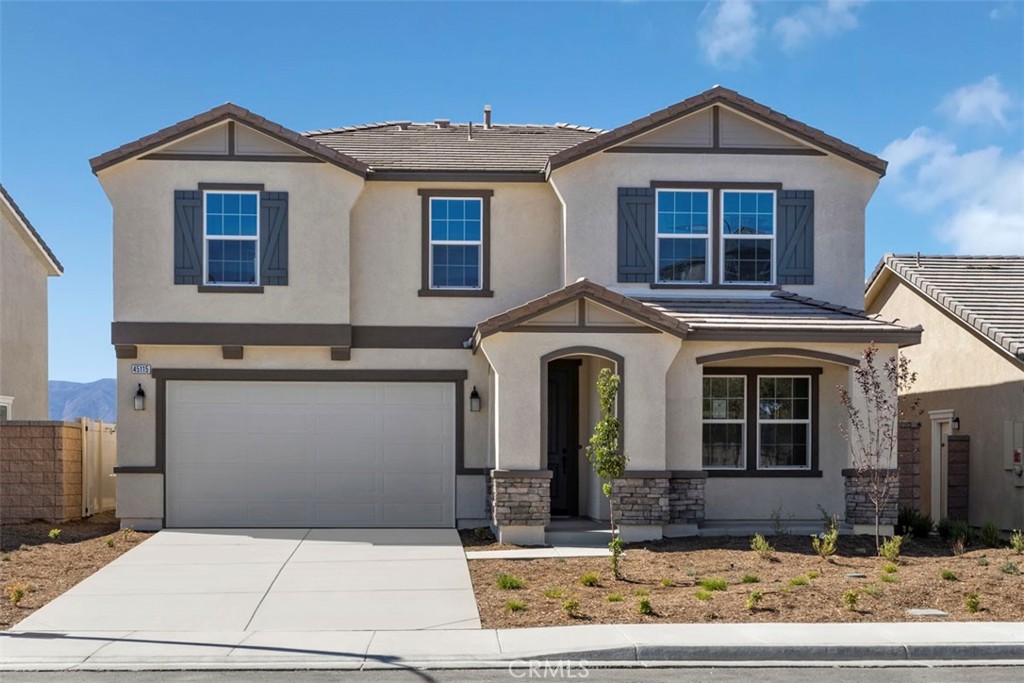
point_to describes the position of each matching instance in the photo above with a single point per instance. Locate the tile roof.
(405, 146)
(783, 315)
(44, 248)
(984, 292)
(734, 100)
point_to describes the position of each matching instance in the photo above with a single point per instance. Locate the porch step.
(580, 533)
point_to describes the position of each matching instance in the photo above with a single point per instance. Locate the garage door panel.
(346, 454)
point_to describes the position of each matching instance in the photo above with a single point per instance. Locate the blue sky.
(936, 88)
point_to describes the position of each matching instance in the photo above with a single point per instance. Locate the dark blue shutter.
(188, 237)
(795, 265)
(274, 238)
(636, 234)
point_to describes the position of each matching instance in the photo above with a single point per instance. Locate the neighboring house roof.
(214, 116)
(986, 293)
(784, 316)
(733, 100)
(35, 238)
(402, 146)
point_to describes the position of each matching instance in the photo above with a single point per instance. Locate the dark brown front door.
(563, 435)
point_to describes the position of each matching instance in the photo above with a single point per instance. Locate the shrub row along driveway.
(276, 580)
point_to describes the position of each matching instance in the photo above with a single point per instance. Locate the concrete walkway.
(196, 583)
(643, 644)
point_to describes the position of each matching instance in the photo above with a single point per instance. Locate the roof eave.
(54, 268)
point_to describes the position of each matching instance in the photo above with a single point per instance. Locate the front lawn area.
(714, 579)
(35, 568)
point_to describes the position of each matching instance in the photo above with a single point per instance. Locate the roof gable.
(49, 258)
(984, 293)
(189, 128)
(724, 99)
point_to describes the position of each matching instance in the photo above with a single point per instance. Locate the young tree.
(872, 429)
(605, 453)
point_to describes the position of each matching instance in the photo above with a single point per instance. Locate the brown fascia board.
(733, 100)
(580, 289)
(40, 242)
(224, 112)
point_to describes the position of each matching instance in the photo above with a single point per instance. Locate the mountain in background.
(72, 400)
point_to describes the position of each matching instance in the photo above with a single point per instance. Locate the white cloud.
(728, 32)
(974, 197)
(984, 102)
(1003, 11)
(815, 21)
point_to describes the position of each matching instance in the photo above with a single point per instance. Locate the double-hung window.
(783, 422)
(683, 231)
(725, 425)
(456, 242)
(231, 237)
(748, 237)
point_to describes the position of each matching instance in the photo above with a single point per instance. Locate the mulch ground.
(47, 567)
(995, 575)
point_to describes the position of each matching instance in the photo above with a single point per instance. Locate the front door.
(563, 435)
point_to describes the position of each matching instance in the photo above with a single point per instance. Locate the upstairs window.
(748, 237)
(683, 236)
(456, 243)
(231, 238)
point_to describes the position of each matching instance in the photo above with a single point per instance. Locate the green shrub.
(16, 591)
(703, 594)
(554, 593)
(798, 581)
(54, 534)
(754, 598)
(666, 582)
(947, 575)
(850, 598)
(751, 578)
(616, 557)
(813, 574)
(973, 603)
(507, 582)
(641, 592)
(5, 557)
(915, 523)
(982, 562)
(825, 544)
(762, 547)
(110, 543)
(944, 528)
(571, 607)
(961, 531)
(643, 606)
(1017, 541)
(712, 583)
(515, 606)
(873, 591)
(590, 579)
(1010, 568)
(890, 568)
(889, 578)
(991, 536)
(615, 597)
(890, 548)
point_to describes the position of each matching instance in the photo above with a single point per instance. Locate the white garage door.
(295, 454)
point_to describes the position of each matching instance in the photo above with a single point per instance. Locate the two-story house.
(26, 265)
(401, 324)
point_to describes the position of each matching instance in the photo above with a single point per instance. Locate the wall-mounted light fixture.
(140, 399)
(474, 401)
(956, 424)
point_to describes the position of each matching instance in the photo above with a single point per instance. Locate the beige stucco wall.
(957, 370)
(23, 324)
(320, 200)
(588, 190)
(387, 251)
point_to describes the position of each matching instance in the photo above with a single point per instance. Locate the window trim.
(455, 243)
(426, 258)
(752, 440)
(811, 398)
(238, 238)
(722, 237)
(8, 403)
(707, 237)
(704, 421)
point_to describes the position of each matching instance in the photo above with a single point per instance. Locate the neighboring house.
(970, 376)
(25, 264)
(401, 324)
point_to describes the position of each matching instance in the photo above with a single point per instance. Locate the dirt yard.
(796, 585)
(43, 568)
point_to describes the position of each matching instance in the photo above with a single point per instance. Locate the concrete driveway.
(274, 580)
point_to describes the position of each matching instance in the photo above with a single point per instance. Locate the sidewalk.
(625, 645)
